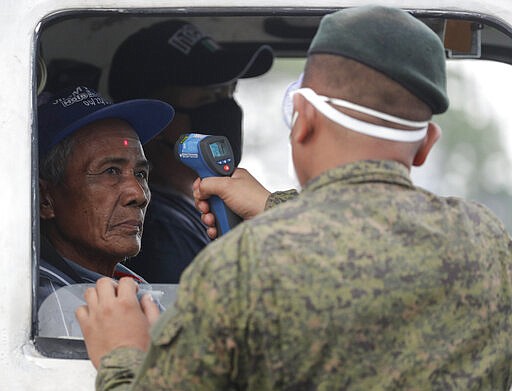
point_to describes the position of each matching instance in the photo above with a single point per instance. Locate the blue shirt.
(56, 272)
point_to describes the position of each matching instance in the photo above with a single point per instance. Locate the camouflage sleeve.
(279, 197)
(117, 369)
(194, 344)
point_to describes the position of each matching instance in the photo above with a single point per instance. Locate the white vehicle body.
(23, 366)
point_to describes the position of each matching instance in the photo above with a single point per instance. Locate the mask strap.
(356, 125)
(375, 113)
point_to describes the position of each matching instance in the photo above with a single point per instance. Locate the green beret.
(392, 42)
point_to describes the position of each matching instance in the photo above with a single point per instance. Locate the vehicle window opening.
(78, 49)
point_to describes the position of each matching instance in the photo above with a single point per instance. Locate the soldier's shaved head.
(343, 78)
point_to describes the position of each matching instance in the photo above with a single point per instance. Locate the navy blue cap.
(72, 109)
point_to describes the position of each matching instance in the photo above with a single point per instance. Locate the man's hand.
(241, 192)
(113, 317)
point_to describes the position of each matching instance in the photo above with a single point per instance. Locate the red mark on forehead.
(125, 142)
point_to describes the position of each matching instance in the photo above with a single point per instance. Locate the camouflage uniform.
(362, 282)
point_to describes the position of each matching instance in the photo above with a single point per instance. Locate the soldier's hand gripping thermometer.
(210, 156)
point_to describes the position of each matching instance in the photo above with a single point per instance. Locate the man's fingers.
(208, 219)
(106, 289)
(212, 186)
(150, 308)
(127, 288)
(82, 314)
(116, 320)
(203, 206)
(195, 185)
(241, 193)
(211, 232)
(91, 297)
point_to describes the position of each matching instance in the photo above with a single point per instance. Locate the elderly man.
(362, 281)
(93, 184)
(176, 62)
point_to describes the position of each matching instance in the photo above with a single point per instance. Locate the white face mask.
(417, 131)
(287, 104)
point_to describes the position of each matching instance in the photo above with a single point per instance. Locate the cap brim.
(147, 117)
(225, 66)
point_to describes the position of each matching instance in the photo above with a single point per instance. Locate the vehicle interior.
(76, 48)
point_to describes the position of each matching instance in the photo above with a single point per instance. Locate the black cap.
(178, 53)
(72, 109)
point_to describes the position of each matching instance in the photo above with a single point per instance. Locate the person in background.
(93, 184)
(177, 63)
(362, 281)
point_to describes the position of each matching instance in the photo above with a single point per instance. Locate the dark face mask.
(223, 117)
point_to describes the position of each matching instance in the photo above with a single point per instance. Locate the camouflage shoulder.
(482, 215)
(279, 197)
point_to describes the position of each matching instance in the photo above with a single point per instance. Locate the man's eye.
(113, 171)
(141, 174)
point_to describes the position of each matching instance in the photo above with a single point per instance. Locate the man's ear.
(433, 134)
(46, 211)
(303, 117)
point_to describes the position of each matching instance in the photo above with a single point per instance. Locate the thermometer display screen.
(218, 149)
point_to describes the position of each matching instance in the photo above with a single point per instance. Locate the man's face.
(160, 150)
(99, 208)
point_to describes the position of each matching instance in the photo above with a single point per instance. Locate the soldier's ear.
(303, 119)
(46, 210)
(433, 134)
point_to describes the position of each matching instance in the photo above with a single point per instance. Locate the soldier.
(362, 281)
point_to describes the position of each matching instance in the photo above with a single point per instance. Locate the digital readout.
(218, 149)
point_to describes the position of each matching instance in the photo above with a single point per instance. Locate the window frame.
(75, 349)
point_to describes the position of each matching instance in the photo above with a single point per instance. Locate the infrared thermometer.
(210, 156)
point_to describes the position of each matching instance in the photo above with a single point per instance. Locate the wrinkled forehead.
(108, 137)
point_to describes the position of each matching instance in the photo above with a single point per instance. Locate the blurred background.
(473, 159)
